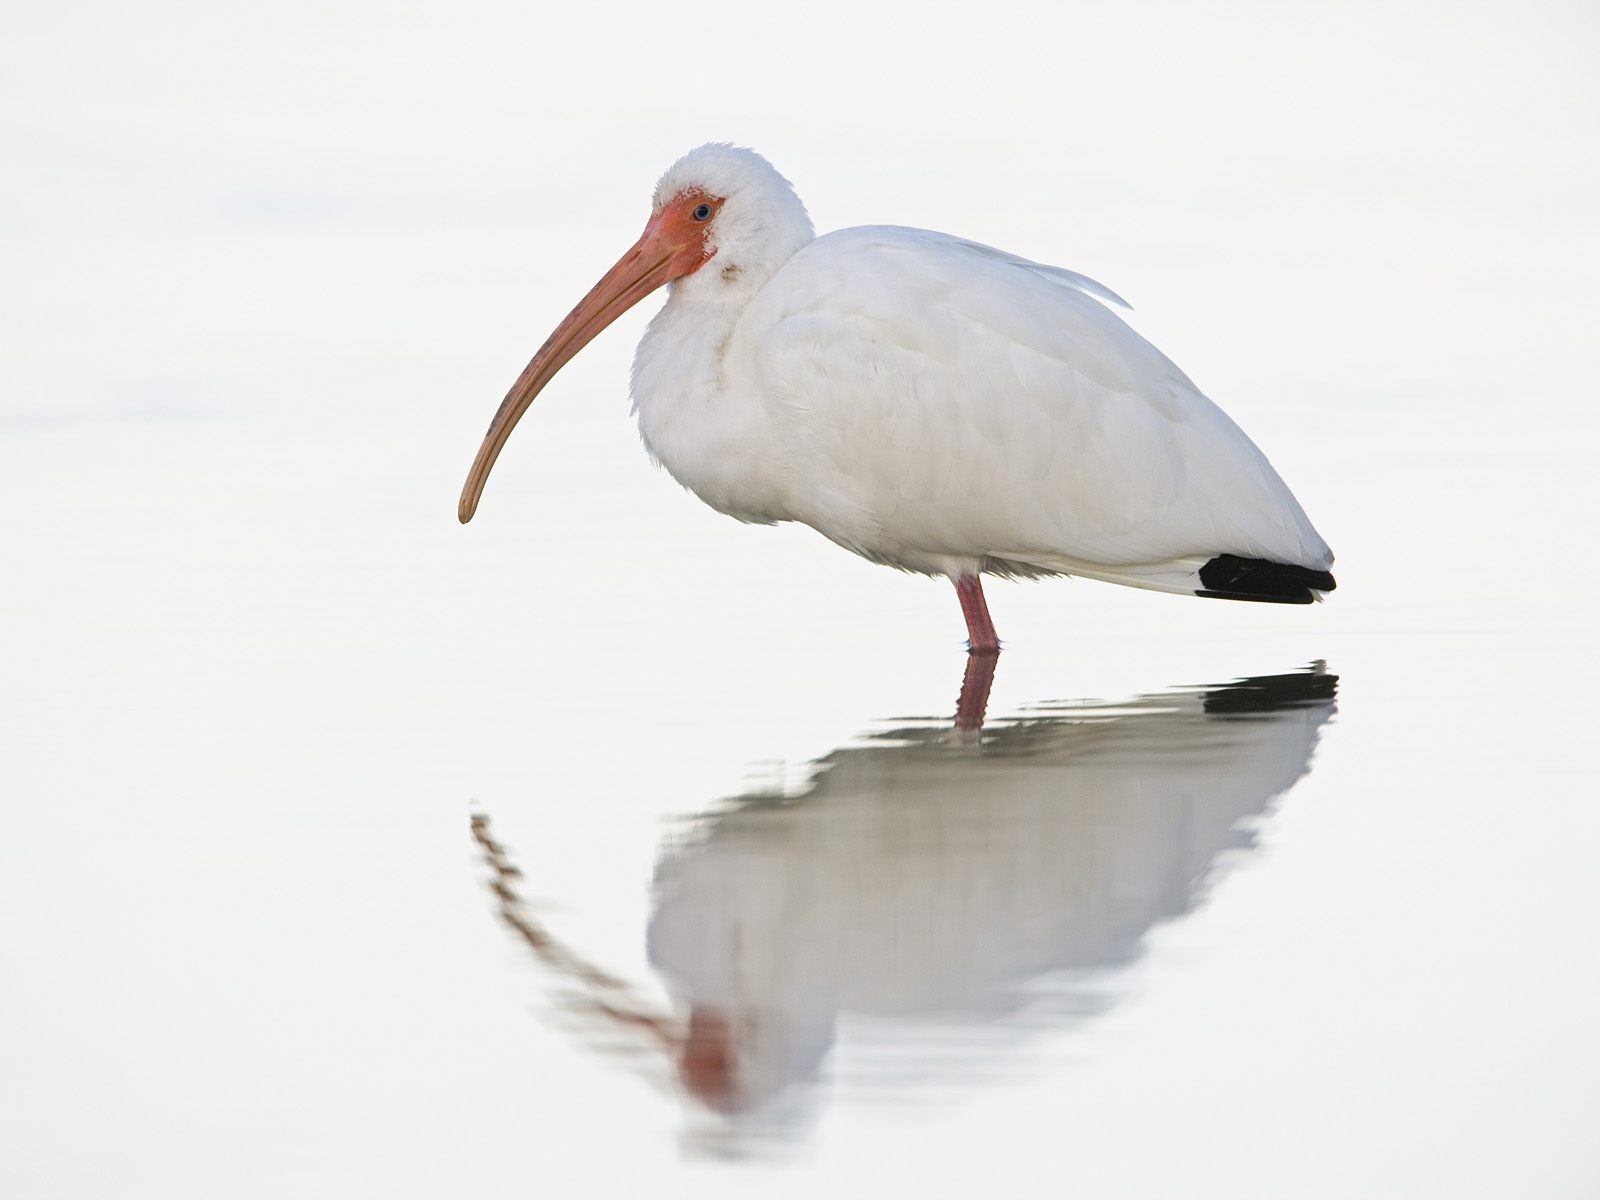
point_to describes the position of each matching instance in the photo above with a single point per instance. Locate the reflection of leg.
(981, 637)
(975, 685)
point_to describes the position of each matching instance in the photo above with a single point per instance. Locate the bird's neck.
(696, 401)
(745, 257)
(691, 333)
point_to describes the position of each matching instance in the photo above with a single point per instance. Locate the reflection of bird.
(918, 879)
(927, 402)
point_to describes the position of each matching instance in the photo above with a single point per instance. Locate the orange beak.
(669, 248)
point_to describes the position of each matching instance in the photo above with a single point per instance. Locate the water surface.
(1168, 928)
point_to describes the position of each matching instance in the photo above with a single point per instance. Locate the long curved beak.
(656, 258)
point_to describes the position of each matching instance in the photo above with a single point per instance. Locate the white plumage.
(941, 891)
(927, 402)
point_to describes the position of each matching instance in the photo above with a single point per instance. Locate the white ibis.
(930, 403)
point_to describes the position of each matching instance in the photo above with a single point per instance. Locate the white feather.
(941, 406)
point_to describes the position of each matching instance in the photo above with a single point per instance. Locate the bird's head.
(755, 224)
(722, 220)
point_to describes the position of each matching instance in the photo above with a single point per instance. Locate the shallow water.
(1228, 900)
(1134, 935)
(931, 888)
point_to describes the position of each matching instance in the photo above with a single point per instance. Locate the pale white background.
(265, 271)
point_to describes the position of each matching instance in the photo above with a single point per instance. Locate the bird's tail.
(1221, 577)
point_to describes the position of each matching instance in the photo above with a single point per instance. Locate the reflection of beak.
(656, 258)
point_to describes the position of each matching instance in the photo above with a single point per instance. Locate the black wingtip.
(1229, 577)
(1272, 693)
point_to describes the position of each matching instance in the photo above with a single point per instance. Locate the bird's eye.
(702, 212)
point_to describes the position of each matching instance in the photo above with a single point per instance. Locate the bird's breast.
(701, 417)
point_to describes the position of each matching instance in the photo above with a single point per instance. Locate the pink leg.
(981, 636)
(975, 685)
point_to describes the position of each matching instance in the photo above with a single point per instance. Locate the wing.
(966, 402)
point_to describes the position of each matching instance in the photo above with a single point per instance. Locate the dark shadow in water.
(933, 895)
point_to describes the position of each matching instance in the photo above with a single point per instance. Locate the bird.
(928, 402)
